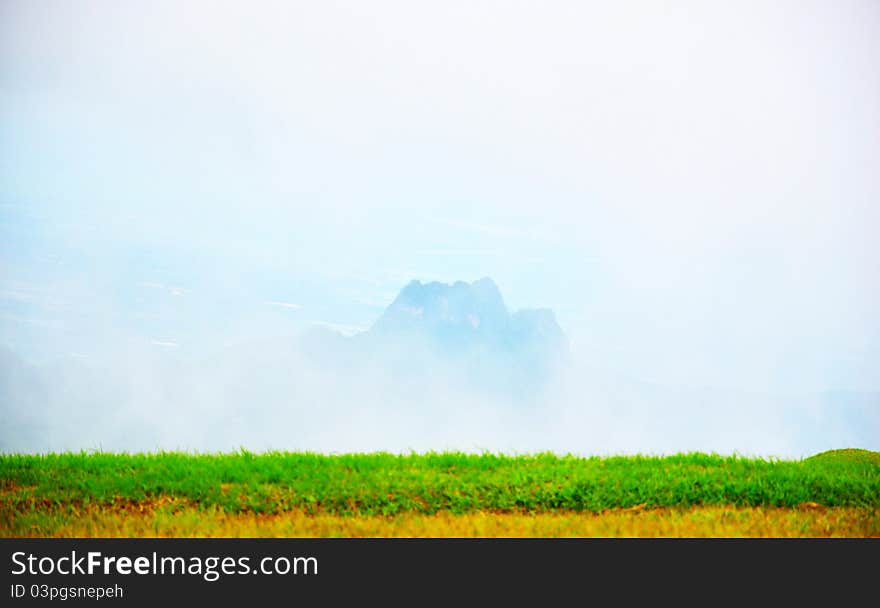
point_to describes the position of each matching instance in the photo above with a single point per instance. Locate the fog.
(270, 394)
(186, 188)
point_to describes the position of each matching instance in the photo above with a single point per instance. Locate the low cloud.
(171, 289)
(287, 305)
(166, 343)
(269, 394)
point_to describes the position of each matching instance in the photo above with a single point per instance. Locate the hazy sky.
(692, 186)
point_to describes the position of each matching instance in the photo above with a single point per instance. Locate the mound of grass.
(388, 484)
(847, 456)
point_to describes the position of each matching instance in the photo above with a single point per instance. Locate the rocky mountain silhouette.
(461, 330)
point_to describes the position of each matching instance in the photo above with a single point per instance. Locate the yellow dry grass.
(179, 520)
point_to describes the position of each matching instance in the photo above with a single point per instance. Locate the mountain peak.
(466, 315)
(443, 308)
(457, 330)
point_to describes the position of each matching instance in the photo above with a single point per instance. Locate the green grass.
(386, 484)
(847, 457)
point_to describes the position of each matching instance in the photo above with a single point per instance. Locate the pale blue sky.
(692, 187)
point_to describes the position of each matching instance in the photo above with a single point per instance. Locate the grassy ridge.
(386, 484)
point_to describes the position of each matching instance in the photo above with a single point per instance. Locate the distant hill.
(463, 331)
(462, 315)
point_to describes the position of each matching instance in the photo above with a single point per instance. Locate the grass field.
(447, 494)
